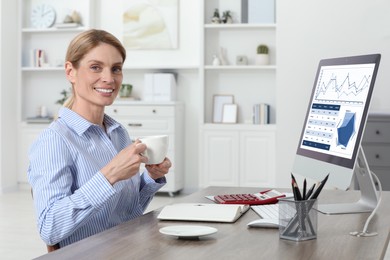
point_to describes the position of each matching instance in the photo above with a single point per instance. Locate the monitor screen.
(336, 118)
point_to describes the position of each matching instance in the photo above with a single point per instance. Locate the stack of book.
(37, 58)
(261, 113)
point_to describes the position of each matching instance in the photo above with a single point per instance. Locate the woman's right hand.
(126, 163)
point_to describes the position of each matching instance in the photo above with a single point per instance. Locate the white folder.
(203, 212)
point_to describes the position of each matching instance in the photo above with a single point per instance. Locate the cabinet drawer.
(384, 176)
(377, 155)
(378, 132)
(159, 125)
(137, 110)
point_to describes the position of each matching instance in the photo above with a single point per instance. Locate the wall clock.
(43, 16)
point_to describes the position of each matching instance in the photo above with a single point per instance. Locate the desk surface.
(140, 238)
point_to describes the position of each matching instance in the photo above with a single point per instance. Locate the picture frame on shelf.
(218, 104)
(229, 113)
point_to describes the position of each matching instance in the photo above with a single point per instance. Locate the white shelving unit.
(241, 154)
(41, 86)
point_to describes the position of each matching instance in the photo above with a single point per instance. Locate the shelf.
(169, 67)
(239, 26)
(43, 69)
(242, 67)
(124, 68)
(53, 30)
(124, 101)
(214, 126)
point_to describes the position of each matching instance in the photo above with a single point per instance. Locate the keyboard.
(271, 211)
(267, 211)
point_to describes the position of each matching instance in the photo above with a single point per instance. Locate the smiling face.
(97, 79)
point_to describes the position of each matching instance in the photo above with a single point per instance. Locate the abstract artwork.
(150, 24)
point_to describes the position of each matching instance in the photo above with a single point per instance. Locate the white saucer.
(188, 231)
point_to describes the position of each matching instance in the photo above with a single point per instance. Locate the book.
(203, 212)
(261, 113)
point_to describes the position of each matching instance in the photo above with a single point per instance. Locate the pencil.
(297, 193)
(296, 188)
(310, 191)
(318, 190)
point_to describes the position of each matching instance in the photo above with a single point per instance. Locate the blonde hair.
(85, 42)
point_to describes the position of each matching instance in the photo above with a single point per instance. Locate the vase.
(262, 59)
(125, 90)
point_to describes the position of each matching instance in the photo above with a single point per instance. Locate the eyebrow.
(100, 62)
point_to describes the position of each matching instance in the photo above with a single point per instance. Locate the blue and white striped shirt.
(73, 200)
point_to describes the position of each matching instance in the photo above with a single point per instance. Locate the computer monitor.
(330, 142)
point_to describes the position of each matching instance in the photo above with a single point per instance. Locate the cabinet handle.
(377, 132)
(154, 111)
(377, 156)
(115, 111)
(135, 124)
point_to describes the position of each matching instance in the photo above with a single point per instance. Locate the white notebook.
(202, 212)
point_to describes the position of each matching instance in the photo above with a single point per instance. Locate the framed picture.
(229, 113)
(218, 102)
(150, 24)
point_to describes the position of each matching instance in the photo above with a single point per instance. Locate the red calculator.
(263, 197)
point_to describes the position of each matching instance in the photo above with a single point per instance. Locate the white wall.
(8, 63)
(309, 31)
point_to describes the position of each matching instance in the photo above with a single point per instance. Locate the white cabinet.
(27, 135)
(257, 158)
(243, 153)
(376, 145)
(146, 119)
(238, 156)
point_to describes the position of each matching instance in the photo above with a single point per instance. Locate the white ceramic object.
(157, 148)
(262, 59)
(188, 231)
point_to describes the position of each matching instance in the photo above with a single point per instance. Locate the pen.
(304, 189)
(318, 190)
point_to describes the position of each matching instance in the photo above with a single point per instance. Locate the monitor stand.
(369, 196)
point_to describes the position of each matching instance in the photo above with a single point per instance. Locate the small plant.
(65, 96)
(216, 13)
(262, 49)
(227, 17)
(216, 18)
(125, 90)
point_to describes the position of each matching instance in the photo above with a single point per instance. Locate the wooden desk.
(140, 238)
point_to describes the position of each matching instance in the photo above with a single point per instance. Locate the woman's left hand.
(157, 171)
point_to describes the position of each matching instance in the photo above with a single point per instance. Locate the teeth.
(104, 90)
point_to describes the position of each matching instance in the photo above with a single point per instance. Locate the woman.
(84, 169)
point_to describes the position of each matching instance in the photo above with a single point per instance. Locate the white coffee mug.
(156, 148)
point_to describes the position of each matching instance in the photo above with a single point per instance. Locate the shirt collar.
(80, 125)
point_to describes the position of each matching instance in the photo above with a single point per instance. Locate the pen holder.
(298, 219)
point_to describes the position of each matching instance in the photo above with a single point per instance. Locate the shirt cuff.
(98, 190)
(146, 179)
